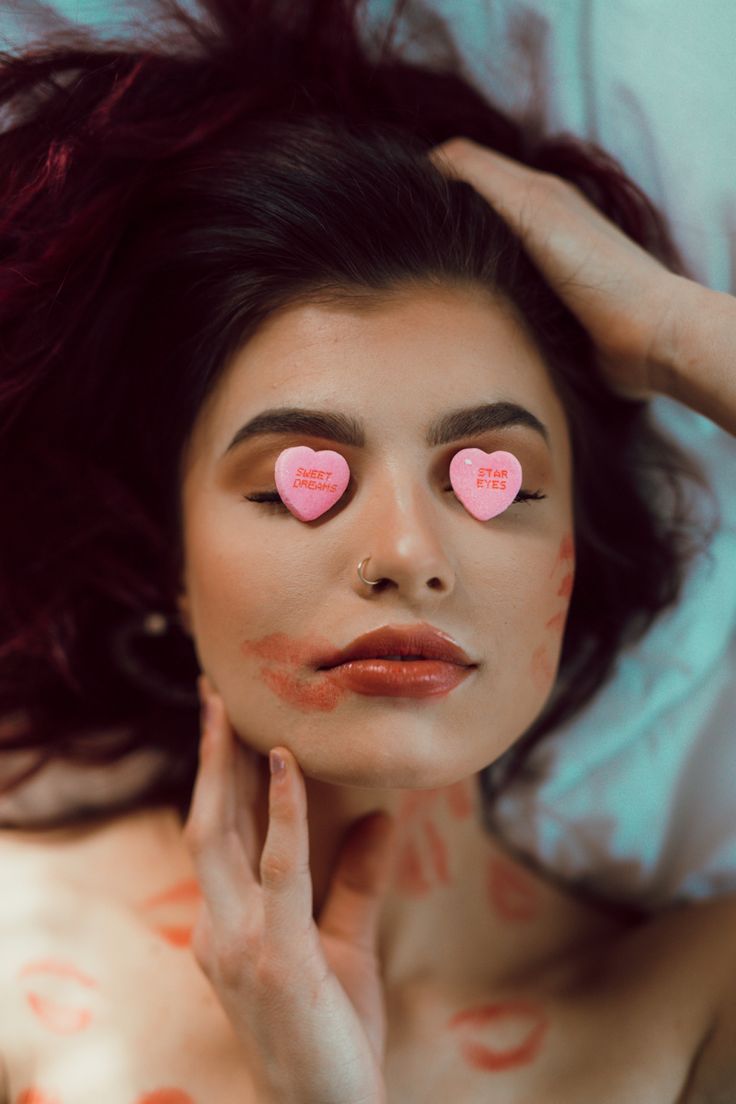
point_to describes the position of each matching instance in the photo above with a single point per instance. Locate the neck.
(458, 905)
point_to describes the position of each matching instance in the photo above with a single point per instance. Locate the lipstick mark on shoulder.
(165, 1096)
(37, 1096)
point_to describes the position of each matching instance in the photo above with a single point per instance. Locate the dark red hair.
(157, 205)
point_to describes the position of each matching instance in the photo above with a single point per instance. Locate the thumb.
(360, 880)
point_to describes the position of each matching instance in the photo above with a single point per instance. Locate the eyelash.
(273, 499)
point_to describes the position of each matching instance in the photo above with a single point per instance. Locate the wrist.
(692, 360)
(669, 356)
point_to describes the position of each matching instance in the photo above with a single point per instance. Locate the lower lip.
(391, 678)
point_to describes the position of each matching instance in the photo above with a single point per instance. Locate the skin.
(252, 571)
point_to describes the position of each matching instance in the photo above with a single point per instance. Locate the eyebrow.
(347, 430)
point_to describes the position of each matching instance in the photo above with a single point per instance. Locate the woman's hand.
(306, 1002)
(626, 300)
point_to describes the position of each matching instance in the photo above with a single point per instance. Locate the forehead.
(395, 362)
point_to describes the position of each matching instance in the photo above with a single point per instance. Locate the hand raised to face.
(309, 483)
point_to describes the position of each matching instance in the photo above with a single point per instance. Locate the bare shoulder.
(688, 955)
(95, 959)
(712, 1077)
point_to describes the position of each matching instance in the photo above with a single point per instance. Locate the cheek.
(553, 617)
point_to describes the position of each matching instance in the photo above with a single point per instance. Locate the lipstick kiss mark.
(511, 892)
(409, 873)
(63, 1019)
(566, 586)
(556, 623)
(165, 1096)
(288, 671)
(565, 553)
(513, 1032)
(186, 892)
(438, 851)
(37, 1096)
(542, 668)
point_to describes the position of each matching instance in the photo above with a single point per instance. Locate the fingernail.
(277, 764)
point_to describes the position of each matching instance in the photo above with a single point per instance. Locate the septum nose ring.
(368, 582)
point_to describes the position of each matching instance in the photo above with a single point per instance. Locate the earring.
(145, 643)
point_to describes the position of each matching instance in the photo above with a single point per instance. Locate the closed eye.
(271, 499)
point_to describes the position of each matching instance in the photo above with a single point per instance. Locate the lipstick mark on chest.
(500, 1036)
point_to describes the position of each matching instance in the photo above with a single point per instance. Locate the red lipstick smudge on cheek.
(565, 554)
(542, 668)
(518, 1026)
(320, 698)
(285, 671)
(557, 623)
(566, 586)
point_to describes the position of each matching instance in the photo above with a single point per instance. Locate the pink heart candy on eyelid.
(485, 482)
(310, 482)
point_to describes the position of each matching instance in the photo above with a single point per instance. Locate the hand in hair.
(623, 296)
(305, 1001)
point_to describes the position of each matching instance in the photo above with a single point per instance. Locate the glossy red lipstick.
(412, 661)
(396, 678)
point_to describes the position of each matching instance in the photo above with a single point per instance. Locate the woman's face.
(264, 591)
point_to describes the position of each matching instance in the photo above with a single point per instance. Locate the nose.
(401, 541)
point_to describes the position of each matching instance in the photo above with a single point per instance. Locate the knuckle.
(270, 975)
(276, 870)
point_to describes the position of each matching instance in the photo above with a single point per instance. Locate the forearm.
(697, 364)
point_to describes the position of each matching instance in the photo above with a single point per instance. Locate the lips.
(400, 643)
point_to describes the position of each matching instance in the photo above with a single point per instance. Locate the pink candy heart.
(310, 482)
(485, 482)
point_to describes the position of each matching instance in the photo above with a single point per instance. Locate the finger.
(248, 782)
(210, 831)
(286, 881)
(359, 883)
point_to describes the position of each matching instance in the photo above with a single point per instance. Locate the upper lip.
(421, 640)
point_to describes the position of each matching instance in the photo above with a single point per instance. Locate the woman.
(244, 261)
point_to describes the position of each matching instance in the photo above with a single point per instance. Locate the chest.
(103, 1000)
